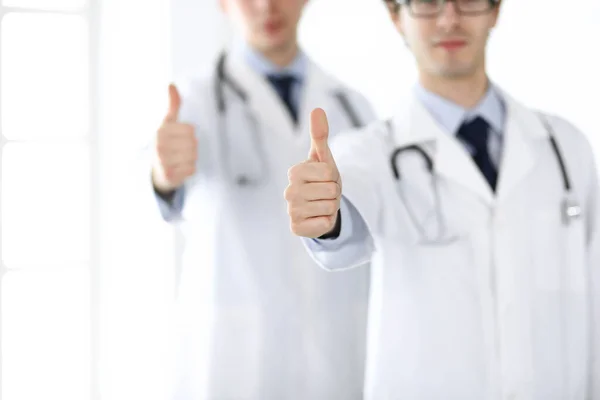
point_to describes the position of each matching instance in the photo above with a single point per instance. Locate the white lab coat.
(257, 319)
(502, 313)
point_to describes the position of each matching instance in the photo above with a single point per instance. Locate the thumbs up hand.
(315, 187)
(176, 149)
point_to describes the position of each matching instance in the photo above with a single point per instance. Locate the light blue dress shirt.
(450, 116)
(263, 67)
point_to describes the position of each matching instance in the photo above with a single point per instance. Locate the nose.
(264, 4)
(449, 17)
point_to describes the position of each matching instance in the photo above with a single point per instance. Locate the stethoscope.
(243, 177)
(570, 208)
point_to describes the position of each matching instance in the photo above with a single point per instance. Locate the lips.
(452, 44)
(272, 26)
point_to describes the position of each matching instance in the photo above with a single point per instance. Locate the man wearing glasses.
(480, 218)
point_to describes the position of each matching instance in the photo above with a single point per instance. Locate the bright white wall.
(136, 256)
(355, 40)
(551, 64)
(198, 31)
(543, 52)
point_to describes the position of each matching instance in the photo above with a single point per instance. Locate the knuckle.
(294, 213)
(188, 131)
(333, 190)
(190, 170)
(161, 132)
(330, 221)
(288, 193)
(165, 132)
(170, 173)
(330, 173)
(324, 225)
(330, 208)
(294, 172)
(163, 148)
(296, 228)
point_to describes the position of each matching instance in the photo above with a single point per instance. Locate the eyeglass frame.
(492, 3)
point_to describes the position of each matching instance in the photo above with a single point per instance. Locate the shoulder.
(197, 97)
(193, 88)
(564, 130)
(364, 143)
(567, 134)
(575, 148)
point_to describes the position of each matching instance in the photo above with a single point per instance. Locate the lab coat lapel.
(263, 100)
(451, 160)
(522, 135)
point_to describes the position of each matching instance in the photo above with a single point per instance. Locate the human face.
(267, 25)
(449, 44)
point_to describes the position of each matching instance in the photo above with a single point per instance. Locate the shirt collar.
(451, 116)
(262, 66)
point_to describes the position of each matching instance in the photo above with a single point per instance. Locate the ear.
(394, 12)
(496, 14)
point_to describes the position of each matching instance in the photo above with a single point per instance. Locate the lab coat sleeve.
(356, 154)
(594, 263)
(171, 210)
(582, 157)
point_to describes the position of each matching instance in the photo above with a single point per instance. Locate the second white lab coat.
(510, 310)
(257, 319)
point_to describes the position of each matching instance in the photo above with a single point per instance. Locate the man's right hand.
(315, 187)
(176, 149)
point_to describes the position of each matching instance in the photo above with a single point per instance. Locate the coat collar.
(263, 101)
(523, 132)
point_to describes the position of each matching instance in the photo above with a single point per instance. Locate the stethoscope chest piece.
(243, 180)
(571, 210)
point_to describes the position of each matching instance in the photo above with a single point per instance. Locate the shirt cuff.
(171, 208)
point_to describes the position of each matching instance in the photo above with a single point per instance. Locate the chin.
(455, 70)
(275, 43)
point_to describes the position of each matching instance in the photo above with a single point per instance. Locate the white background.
(85, 308)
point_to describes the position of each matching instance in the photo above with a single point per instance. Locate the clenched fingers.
(310, 209)
(312, 227)
(313, 172)
(312, 191)
(176, 130)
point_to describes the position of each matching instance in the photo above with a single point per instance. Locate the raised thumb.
(319, 133)
(174, 104)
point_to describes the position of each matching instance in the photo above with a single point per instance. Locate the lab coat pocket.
(558, 252)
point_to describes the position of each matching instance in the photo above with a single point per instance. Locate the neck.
(466, 92)
(281, 56)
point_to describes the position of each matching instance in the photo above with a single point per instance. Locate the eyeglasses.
(433, 8)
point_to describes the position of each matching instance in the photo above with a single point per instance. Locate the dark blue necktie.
(476, 133)
(283, 86)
